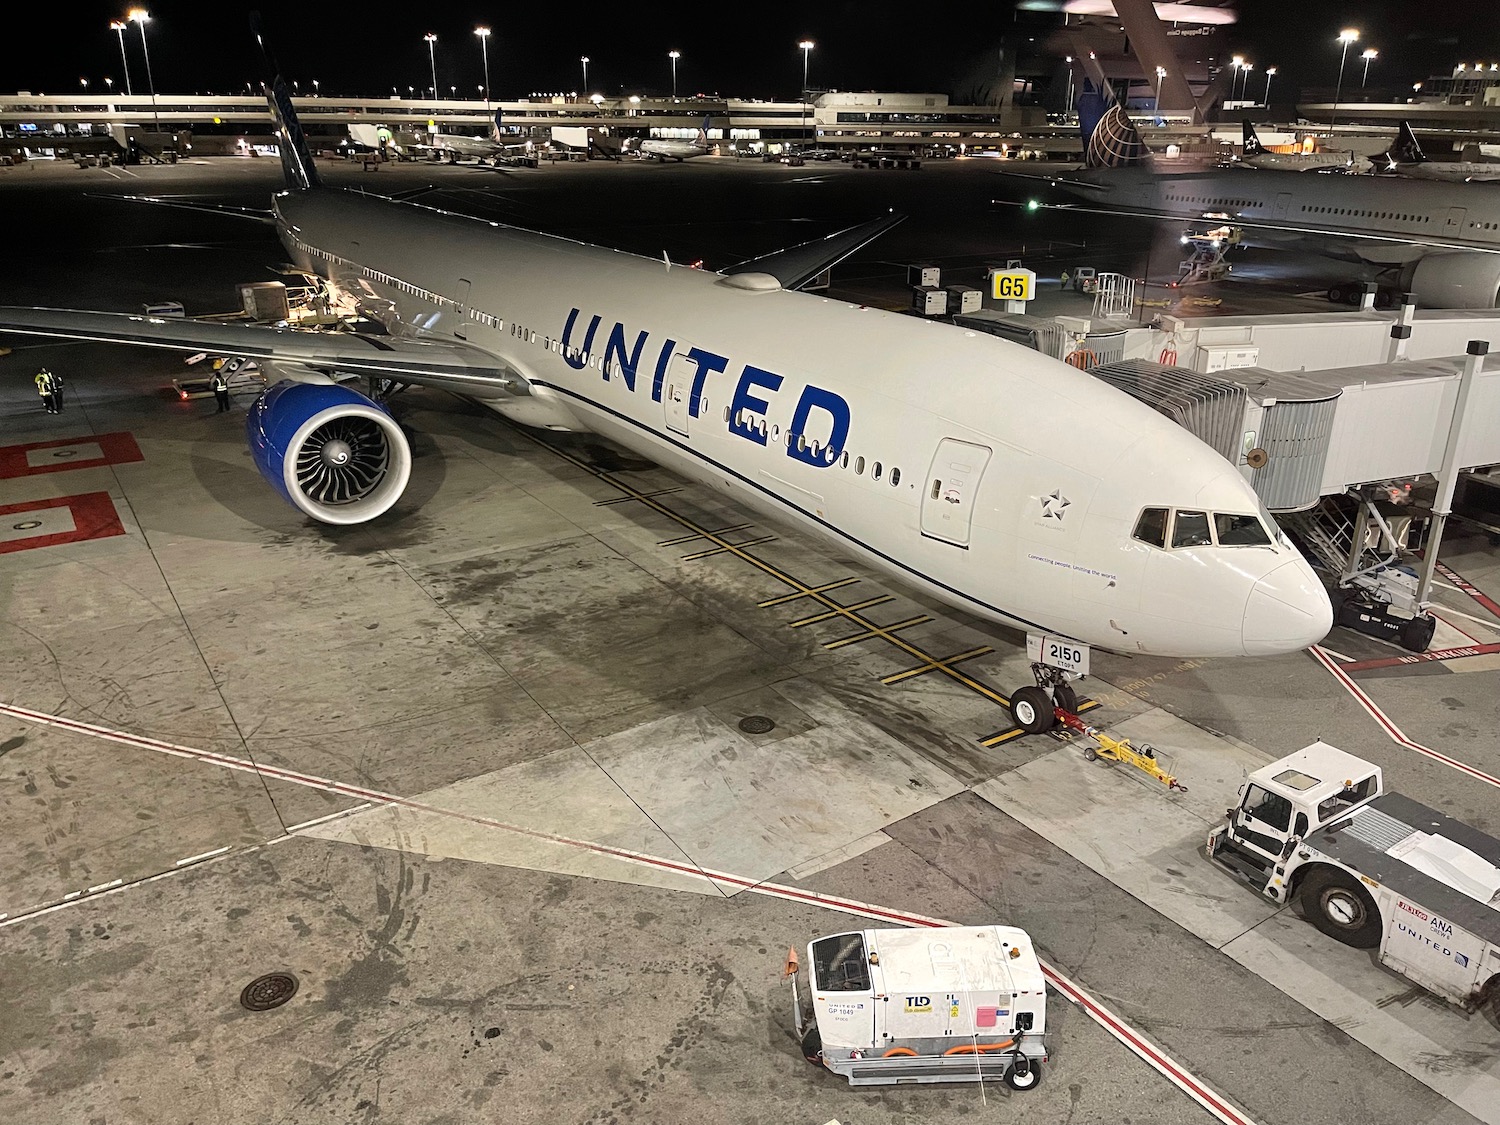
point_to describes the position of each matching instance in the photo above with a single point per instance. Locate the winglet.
(296, 158)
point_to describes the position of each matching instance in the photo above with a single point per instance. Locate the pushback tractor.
(1375, 870)
(956, 1004)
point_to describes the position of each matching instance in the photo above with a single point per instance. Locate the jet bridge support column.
(1401, 330)
(1448, 474)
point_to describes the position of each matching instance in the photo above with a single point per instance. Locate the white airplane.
(938, 456)
(664, 150)
(1405, 158)
(451, 146)
(1442, 238)
(1253, 154)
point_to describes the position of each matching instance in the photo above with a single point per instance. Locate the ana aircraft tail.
(1110, 139)
(1251, 145)
(296, 158)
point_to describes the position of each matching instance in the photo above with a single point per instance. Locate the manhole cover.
(26, 525)
(267, 992)
(757, 724)
(63, 454)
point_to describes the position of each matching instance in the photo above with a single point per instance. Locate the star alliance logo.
(1054, 506)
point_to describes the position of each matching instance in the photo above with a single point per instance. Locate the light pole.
(674, 56)
(484, 47)
(118, 27)
(1245, 86)
(1270, 70)
(805, 47)
(584, 59)
(1155, 108)
(1367, 56)
(316, 90)
(432, 58)
(109, 84)
(1347, 36)
(84, 82)
(142, 17)
(1238, 62)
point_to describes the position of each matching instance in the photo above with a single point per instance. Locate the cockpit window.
(1240, 531)
(1191, 530)
(1152, 527)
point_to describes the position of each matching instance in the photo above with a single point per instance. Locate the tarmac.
(491, 776)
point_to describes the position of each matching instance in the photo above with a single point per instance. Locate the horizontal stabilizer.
(448, 364)
(795, 266)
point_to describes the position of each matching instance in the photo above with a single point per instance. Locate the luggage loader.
(956, 1004)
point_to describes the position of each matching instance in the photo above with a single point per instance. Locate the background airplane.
(1441, 240)
(664, 149)
(452, 146)
(930, 453)
(1253, 154)
(1405, 158)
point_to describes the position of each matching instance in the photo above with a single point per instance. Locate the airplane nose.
(1287, 610)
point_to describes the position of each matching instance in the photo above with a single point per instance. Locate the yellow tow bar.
(1118, 750)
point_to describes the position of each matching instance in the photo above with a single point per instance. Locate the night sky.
(743, 49)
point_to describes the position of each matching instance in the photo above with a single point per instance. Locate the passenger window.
(845, 462)
(859, 466)
(895, 477)
(1240, 531)
(1152, 527)
(875, 471)
(1191, 530)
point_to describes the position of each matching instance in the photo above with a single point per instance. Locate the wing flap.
(450, 364)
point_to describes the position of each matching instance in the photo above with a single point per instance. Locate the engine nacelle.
(329, 450)
(1457, 280)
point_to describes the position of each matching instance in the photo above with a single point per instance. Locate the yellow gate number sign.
(1013, 285)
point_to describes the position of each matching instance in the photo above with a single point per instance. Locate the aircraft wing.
(449, 364)
(795, 266)
(1155, 215)
(1052, 181)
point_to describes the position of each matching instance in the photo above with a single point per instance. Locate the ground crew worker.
(220, 385)
(1065, 279)
(46, 386)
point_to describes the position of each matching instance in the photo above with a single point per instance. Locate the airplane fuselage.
(996, 479)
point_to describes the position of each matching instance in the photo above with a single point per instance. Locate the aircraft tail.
(1110, 139)
(702, 137)
(1251, 145)
(1406, 150)
(296, 158)
(497, 133)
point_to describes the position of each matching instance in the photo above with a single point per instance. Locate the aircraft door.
(677, 389)
(1283, 202)
(1455, 224)
(461, 299)
(952, 484)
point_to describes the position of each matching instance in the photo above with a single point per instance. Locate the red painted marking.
(94, 517)
(116, 449)
(1395, 733)
(1143, 1048)
(1420, 657)
(1469, 588)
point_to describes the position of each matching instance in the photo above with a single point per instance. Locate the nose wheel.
(1034, 709)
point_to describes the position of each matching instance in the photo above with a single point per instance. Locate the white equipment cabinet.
(957, 1004)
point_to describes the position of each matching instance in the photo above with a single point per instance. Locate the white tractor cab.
(957, 1004)
(1371, 869)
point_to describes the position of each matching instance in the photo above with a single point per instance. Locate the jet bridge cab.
(957, 1004)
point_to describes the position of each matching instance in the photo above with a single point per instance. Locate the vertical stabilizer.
(1113, 142)
(1406, 150)
(296, 158)
(1251, 145)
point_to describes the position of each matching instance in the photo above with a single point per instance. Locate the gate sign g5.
(1013, 285)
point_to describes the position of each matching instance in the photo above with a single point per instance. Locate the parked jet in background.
(1405, 158)
(1442, 239)
(450, 146)
(930, 454)
(1253, 154)
(664, 150)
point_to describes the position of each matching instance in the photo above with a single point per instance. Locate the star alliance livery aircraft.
(1001, 481)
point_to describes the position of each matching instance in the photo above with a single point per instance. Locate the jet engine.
(332, 452)
(1456, 280)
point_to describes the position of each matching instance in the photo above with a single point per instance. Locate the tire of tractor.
(1031, 710)
(1335, 903)
(1416, 634)
(1029, 1079)
(812, 1046)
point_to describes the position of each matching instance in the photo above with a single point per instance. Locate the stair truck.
(956, 1004)
(1375, 870)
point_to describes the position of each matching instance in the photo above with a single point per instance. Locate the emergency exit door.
(677, 389)
(1455, 224)
(1283, 202)
(461, 299)
(952, 486)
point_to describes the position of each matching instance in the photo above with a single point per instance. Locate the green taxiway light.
(1032, 205)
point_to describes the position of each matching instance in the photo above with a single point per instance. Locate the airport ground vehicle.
(1085, 279)
(956, 1004)
(241, 374)
(1374, 870)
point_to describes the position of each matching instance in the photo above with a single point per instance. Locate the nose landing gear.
(1034, 709)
